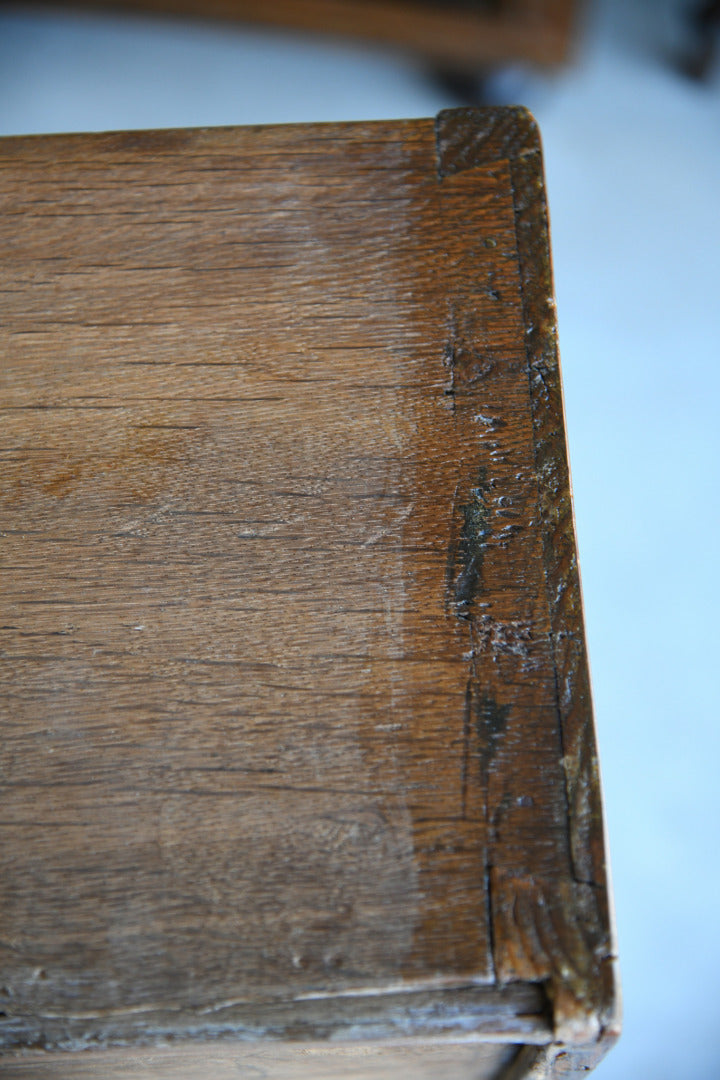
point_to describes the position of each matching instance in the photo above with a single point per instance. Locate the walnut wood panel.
(297, 739)
(461, 33)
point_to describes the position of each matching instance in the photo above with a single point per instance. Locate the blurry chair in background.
(459, 40)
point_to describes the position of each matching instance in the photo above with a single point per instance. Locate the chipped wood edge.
(585, 995)
(512, 1014)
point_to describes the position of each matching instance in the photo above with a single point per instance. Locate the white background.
(632, 155)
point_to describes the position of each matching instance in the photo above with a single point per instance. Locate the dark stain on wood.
(465, 552)
(491, 719)
(471, 543)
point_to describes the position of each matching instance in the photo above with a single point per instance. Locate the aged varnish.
(297, 763)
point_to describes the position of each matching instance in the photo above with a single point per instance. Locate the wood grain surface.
(263, 1061)
(297, 736)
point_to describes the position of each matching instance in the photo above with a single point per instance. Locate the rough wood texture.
(263, 1061)
(458, 32)
(297, 734)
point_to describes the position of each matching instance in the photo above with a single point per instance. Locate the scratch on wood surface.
(469, 535)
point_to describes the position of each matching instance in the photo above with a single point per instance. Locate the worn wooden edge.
(556, 1061)
(582, 980)
(517, 1013)
(39, 146)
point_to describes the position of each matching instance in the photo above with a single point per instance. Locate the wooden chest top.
(296, 729)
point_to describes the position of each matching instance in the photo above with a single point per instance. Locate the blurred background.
(627, 95)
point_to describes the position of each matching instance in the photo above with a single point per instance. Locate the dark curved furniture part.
(459, 34)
